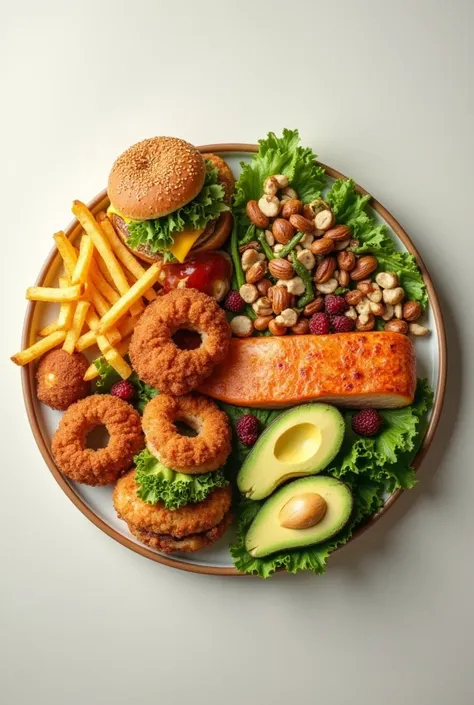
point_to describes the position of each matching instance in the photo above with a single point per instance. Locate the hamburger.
(167, 199)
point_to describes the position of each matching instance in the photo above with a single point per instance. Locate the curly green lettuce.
(371, 467)
(108, 376)
(157, 483)
(280, 155)
(157, 234)
(350, 208)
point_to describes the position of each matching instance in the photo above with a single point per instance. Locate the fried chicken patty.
(205, 452)
(60, 380)
(155, 356)
(186, 529)
(102, 466)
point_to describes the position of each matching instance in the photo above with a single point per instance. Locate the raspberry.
(123, 390)
(248, 429)
(319, 324)
(367, 422)
(234, 302)
(334, 305)
(342, 324)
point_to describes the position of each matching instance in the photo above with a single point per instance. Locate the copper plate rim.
(28, 381)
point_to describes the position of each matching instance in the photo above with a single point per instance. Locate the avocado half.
(266, 535)
(302, 441)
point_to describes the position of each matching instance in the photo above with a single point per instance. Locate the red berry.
(342, 324)
(334, 305)
(123, 390)
(367, 422)
(319, 324)
(234, 302)
(248, 429)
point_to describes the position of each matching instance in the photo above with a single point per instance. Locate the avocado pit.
(303, 511)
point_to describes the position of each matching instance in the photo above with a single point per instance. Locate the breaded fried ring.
(60, 379)
(186, 529)
(158, 360)
(191, 455)
(224, 175)
(102, 466)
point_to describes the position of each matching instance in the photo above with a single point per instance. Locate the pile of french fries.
(100, 295)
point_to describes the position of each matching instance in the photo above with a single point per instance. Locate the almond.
(340, 232)
(364, 266)
(354, 297)
(281, 269)
(343, 278)
(302, 224)
(325, 270)
(397, 326)
(411, 311)
(256, 272)
(314, 306)
(322, 247)
(281, 299)
(291, 207)
(346, 261)
(256, 216)
(282, 231)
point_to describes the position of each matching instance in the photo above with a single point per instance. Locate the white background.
(383, 91)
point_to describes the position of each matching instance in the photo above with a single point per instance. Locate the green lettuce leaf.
(108, 376)
(279, 155)
(157, 483)
(350, 208)
(372, 468)
(157, 234)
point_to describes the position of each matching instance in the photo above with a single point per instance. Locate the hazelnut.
(411, 311)
(250, 257)
(241, 326)
(365, 286)
(249, 293)
(261, 323)
(290, 192)
(324, 220)
(416, 329)
(300, 328)
(314, 306)
(393, 296)
(307, 259)
(276, 328)
(270, 186)
(328, 287)
(397, 326)
(346, 261)
(270, 206)
(288, 317)
(263, 286)
(365, 322)
(291, 207)
(387, 280)
(353, 297)
(343, 278)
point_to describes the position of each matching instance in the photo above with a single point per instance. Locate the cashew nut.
(278, 248)
(363, 307)
(249, 293)
(398, 310)
(241, 326)
(269, 238)
(389, 312)
(287, 318)
(281, 180)
(306, 241)
(351, 313)
(328, 287)
(416, 329)
(393, 296)
(376, 308)
(250, 257)
(387, 280)
(375, 296)
(294, 285)
(306, 258)
(290, 192)
(262, 306)
(269, 205)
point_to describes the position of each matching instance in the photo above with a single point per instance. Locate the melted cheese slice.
(182, 242)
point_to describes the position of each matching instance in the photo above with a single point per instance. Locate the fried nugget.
(60, 380)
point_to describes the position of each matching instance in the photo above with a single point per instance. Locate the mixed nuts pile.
(299, 270)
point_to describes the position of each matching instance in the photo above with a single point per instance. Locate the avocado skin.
(266, 536)
(261, 472)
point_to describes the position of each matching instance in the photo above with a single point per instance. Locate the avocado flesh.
(266, 535)
(302, 441)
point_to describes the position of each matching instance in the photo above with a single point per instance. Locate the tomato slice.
(209, 272)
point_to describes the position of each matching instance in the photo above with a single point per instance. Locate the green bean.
(305, 275)
(234, 251)
(249, 235)
(265, 246)
(291, 245)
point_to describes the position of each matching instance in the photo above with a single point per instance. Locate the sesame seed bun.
(155, 177)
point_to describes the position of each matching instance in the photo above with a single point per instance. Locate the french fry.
(39, 348)
(115, 359)
(104, 271)
(66, 311)
(81, 270)
(55, 295)
(92, 371)
(75, 330)
(102, 307)
(67, 251)
(90, 338)
(123, 253)
(101, 284)
(125, 303)
(50, 328)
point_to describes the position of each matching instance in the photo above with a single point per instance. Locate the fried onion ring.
(102, 466)
(155, 356)
(205, 452)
